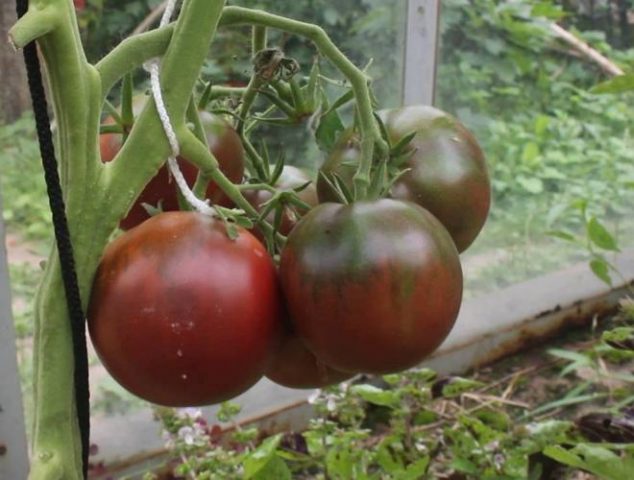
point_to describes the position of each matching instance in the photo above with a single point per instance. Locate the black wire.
(62, 237)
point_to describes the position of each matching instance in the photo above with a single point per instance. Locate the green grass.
(22, 186)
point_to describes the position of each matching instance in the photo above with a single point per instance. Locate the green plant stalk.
(258, 43)
(258, 39)
(298, 98)
(131, 53)
(370, 133)
(220, 91)
(100, 194)
(286, 108)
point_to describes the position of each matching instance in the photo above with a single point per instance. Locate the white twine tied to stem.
(153, 66)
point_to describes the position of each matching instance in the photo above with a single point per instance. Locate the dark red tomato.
(371, 287)
(447, 170)
(294, 366)
(224, 143)
(290, 178)
(182, 315)
(448, 173)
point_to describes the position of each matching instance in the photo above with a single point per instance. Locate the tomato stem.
(131, 53)
(370, 132)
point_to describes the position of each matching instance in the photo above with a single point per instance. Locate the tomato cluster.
(186, 312)
(161, 192)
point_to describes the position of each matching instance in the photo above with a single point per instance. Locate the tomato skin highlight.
(225, 144)
(448, 173)
(371, 287)
(181, 315)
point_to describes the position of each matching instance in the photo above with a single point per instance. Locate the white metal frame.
(421, 47)
(13, 446)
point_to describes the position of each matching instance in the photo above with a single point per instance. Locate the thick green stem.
(180, 68)
(370, 132)
(220, 91)
(196, 152)
(96, 195)
(248, 98)
(131, 53)
(258, 39)
(74, 86)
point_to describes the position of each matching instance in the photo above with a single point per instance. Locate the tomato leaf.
(403, 148)
(619, 84)
(205, 97)
(600, 236)
(330, 124)
(312, 88)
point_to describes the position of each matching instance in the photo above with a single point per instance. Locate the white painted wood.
(13, 446)
(421, 47)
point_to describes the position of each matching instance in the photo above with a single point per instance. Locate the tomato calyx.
(281, 194)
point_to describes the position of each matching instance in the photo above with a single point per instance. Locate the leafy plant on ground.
(417, 425)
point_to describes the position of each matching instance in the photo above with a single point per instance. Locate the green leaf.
(531, 185)
(620, 338)
(454, 387)
(415, 470)
(601, 269)
(541, 124)
(328, 129)
(568, 237)
(548, 10)
(619, 84)
(530, 153)
(570, 355)
(275, 469)
(261, 456)
(600, 236)
(376, 396)
(595, 459)
(465, 466)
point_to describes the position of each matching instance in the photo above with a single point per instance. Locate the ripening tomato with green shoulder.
(446, 169)
(182, 315)
(373, 286)
(224, 143)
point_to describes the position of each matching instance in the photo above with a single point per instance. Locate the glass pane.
(558, 155)
(369, 32)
